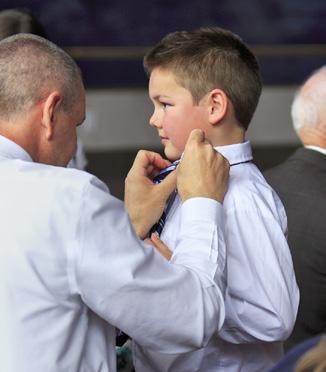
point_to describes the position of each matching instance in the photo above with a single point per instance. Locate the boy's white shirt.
(261, 294)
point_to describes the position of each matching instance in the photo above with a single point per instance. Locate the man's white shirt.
(261, 294)
(72, 269)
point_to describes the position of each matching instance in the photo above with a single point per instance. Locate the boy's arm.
(262, 296)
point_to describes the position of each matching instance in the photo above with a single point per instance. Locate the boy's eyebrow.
(160, 96)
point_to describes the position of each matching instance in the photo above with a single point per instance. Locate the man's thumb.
(196, 135)
(168, 185)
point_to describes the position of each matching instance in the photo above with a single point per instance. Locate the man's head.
(205, 65)
(309, 110)
(41, 97)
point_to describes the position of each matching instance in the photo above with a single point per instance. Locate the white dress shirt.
(261, 294)
(322, 150)
(72, 268)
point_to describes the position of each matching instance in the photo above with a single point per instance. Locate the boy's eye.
(165, 105)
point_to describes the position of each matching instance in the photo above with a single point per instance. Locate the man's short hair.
(30, 68)
(309, 104)
(210, 58)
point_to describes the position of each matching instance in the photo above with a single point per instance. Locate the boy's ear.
(50, 111)
(217, 105)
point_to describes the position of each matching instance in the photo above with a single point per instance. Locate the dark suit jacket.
(301, 184)
(291, 358)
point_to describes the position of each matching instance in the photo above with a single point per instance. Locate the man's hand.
(202, 172)
(144, 200)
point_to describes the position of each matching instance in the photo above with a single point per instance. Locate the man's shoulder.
(301, 158)
(298, 168)
(59, 178)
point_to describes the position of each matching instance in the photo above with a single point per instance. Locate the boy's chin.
(172, 154)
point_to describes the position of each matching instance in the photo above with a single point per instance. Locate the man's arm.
(134, 288)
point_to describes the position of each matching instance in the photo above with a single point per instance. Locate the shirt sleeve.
(170, 306)
(262, 295)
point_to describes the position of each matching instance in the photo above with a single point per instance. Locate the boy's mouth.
(164, 140)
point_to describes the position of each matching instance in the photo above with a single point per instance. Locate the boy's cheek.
(178, 135)
(182, 139)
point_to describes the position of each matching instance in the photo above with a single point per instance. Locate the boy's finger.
(161, 247)
(149, 242)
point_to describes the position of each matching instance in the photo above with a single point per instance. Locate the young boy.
(209, 79)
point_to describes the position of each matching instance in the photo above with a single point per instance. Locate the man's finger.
(168, 185)
(196, 135)
(146, 160)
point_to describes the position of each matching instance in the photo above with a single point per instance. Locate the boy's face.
(175, 114)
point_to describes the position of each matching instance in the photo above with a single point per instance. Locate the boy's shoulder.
(247, 180)
(249, 190)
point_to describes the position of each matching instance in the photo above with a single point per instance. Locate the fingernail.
(154, 235)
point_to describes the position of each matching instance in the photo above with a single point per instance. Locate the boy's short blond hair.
(210, 58)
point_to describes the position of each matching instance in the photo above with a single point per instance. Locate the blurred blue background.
(288, 36)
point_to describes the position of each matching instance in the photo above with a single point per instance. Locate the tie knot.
(165, 171)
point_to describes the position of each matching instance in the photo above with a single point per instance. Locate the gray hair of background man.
(30, 68)
(309, 104)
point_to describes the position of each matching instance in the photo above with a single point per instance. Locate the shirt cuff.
(200, 208)
(201, 244)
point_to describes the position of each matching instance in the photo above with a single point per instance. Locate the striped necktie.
(158, 227)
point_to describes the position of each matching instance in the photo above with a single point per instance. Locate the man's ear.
(218, 105)
(51, 108)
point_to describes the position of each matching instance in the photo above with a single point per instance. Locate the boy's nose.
(154, 121)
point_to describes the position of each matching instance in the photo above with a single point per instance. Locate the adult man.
(301, 183)
(71, 266)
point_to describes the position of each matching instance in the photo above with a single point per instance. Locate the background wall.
(118, 119)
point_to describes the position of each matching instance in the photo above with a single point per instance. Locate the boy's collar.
(236, 153)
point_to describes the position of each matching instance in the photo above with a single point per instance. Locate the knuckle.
(141, 153)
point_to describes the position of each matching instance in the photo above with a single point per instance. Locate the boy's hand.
(202, 172)
(144, 200)
(157, 243)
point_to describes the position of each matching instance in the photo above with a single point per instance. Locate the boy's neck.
(222, 135)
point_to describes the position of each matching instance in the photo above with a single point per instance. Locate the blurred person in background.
(301, 184)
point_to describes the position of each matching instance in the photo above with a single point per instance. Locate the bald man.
(301, 184)
(71, 265)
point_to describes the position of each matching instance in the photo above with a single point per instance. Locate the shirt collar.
(236, 153)
(317, 148)
(10, 150)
